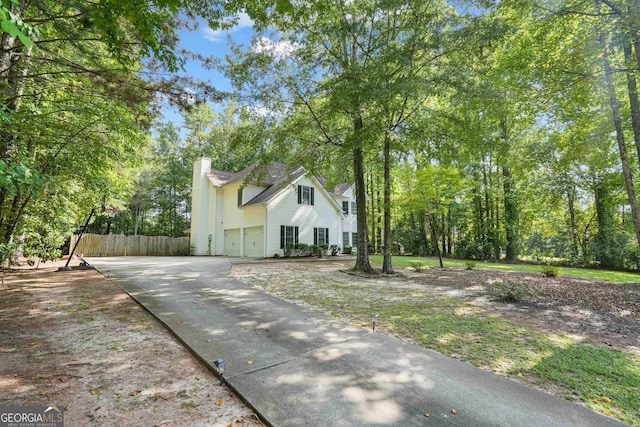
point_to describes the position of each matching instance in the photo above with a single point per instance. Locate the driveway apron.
(297, 367)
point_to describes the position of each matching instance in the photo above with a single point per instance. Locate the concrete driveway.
(297, 367)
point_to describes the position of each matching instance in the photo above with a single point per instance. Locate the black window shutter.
(282, 230)
(315, 236)
(299, 194)
(312, 196)
(326, 236)
(295, 234)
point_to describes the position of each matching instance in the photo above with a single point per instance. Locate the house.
(345, 195)
(256, 213)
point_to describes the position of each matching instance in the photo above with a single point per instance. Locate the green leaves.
(16, 177)
(11, 23)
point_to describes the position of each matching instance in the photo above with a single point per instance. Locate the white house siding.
(240, 218)
(236, 217)
(220, 227)
(199, 207)
(212, 231)
(349, 223)
(251, 191)
(215, 218)
(285, 210)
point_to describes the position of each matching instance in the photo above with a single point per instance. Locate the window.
(354, 239)
(353, 208)
(345, 239)
(288, 235)
(240, 196)
(320, 236)
(345, 207)
(305, 195)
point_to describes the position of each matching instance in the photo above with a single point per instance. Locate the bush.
(8, 254)
(288, 249)
(322, 249)
(346, 250)
(313, 250)
(510, 290)
(302, 249)
(417, 266)
(550, 271)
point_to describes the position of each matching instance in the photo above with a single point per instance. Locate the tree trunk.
(573, 228)
(434, 237)
(443, 218)
(362, 255)
(633, 99)
(387, 268)
(378, 217)
(487, 203)
(372, 209)
(622, 148)
(510, 215)
(604, 216)
(424, 234)
(480, 236)
(449, 234)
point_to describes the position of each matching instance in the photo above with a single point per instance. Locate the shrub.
(322, 249)
(8, 254)
(550, 271)
(346, 250)
(417, 266)
(510, 290)
(470, 265)
(287, 250)
(302, 249)
(314, 250)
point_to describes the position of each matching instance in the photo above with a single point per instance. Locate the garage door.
(232, 242)
(254, 242)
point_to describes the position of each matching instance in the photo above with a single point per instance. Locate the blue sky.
(208, 42)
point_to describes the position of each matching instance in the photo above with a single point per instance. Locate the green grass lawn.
(587, 273)
(605, 379)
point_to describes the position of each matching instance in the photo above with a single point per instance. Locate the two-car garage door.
(253, 242)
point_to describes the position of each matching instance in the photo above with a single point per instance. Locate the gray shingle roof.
(275, 178)
(340, 189)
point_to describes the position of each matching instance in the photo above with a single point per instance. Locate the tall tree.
(73, 101)
(337, 69)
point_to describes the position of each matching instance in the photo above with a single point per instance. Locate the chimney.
(200, 206)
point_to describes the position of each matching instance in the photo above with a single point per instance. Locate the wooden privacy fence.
(120, 245)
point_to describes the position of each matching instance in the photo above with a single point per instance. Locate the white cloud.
(217, 36)
(277, 49)
(259, 110)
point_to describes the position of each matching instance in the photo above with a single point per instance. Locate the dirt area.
(75, 339)
(603, 312)
(606, 313)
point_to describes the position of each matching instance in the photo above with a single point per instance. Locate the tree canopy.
(485, 130)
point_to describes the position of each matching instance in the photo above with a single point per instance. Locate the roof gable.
(274, 189)
(274, 178)
(254, 174)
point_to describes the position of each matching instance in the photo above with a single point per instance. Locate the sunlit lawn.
(587, 273)
(605, 379)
